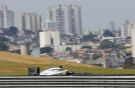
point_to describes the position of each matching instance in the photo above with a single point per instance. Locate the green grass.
(15, 64)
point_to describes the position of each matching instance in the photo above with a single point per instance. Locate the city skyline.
(95, 13)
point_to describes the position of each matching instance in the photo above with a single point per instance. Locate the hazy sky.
(95, 13)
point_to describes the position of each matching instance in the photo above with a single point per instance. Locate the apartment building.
(6, 17)
(67, 18)
(30, 21)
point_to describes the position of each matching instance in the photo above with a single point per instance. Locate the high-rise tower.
(67, 18)
(6, 17)
(30, 21)
(125, 29)
(133, 39)
(112, 26)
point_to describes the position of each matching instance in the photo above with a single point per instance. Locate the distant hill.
(15, 64)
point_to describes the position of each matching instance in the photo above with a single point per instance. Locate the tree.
(13, 30)
(16, 51)
(129, 63)
(89, 37)
(99, 64)
(96, 56)
(107, 33)
(46, 50)
(106, 44)
(71, 40)
(3, 46)
(4, 39)
(27, 32)
(68, 49)
(87, 47)
(128, 54)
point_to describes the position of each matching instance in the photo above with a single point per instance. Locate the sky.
(95, 13)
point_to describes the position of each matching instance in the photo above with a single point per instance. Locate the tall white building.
(45, 39)
(48, 25)
(122, 31)
(6, 17)
(86, 31)
(129, 27)
(49, 38)
(133, 39)
(125, 29)
(112, 26)
(55, 38)
(67, 18)
(98, 31)
(30, 21)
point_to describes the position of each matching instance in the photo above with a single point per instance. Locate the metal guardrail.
(67, 81)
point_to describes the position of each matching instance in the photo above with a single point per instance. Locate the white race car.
(54, 71)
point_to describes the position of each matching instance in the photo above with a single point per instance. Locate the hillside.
(15, 64)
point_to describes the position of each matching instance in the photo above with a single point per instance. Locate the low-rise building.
(63, 47)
